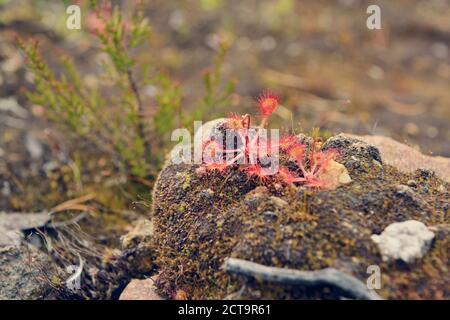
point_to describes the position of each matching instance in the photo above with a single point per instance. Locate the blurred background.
(328, 68)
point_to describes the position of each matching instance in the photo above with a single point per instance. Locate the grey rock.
(11, 105)
(350, 147)
(22, 273)
(5, 189)
(22, 221)
(407, 194)
(137, 250)
(404, 190)
(10, 237)
(12, 224)
(34, 147)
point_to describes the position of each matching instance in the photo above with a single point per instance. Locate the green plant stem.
(140, 112)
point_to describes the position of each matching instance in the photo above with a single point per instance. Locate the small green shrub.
(114, 118)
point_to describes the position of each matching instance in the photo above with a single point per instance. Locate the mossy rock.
(200, 220)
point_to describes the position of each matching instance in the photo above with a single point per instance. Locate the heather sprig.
(87, 114)
(114, 116)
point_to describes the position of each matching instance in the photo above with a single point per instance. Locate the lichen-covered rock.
(200, 220)
(407, 241)
(357, 155)
(22, 273)
(394, 152)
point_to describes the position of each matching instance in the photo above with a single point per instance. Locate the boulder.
(393, 153)
(203, 220)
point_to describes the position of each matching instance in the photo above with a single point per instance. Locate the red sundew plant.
(250, 148)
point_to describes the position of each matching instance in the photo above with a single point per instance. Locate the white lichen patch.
(407, 241)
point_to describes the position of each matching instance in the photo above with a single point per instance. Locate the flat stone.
(10, 237)
(12, 224)
(23, 221)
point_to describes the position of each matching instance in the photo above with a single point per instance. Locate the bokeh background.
(328, 68)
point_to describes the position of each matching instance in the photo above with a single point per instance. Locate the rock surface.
(407, 241)
(10, 237)
(394, 153)
(296, 228)
(22, 271)
(12, 225)
(21, 221)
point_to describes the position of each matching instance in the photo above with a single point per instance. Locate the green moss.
(308, 230)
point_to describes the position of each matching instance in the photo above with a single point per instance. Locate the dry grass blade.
(75, 204)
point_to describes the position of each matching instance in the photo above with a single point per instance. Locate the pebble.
(140, 290)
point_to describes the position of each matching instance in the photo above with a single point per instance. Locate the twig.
(140, 112)
(135, 90)
(300, 84)
(74, 204)
(60, 224)
(141, 181)
(324, 277)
